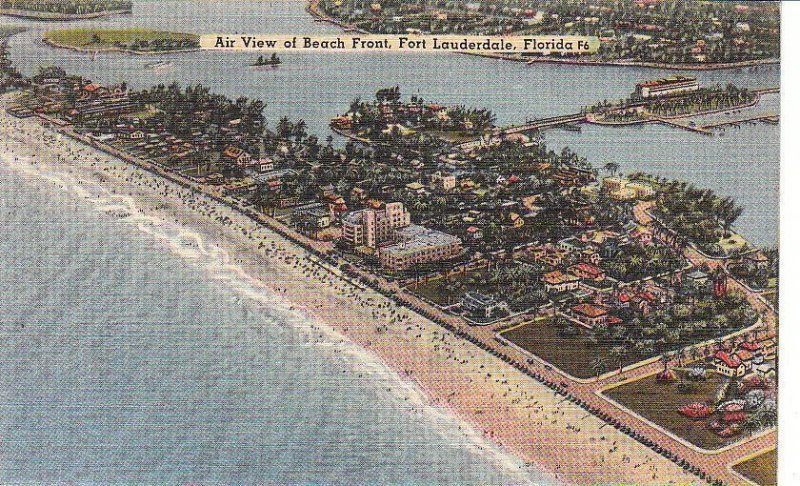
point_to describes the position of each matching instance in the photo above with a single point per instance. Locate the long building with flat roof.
(667, 86)
(419, 245)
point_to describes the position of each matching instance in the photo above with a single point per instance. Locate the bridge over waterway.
(541, 123)
(555, 121)
(677, 122)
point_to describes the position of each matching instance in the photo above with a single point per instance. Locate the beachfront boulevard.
(603, 286)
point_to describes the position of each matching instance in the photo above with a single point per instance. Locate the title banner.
(403, 43)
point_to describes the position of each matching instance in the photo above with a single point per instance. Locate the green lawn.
(659, 403)
(761, 469)
(65, 7)
(734, 244)
(572, 354)
(111, 38)
(436, 291)
(452, 136)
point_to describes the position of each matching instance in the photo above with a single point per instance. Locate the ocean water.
(130, 352)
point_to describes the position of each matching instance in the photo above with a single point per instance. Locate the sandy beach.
(492, 398)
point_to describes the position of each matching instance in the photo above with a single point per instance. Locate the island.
(64, 10)
(133, 41)
(389, 119)
(655, 33)
(676, 101)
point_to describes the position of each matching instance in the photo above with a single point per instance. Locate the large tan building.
(374, 227)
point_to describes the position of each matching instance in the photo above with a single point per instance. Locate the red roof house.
(729, 364)
(589, 314)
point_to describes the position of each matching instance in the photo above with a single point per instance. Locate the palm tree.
(611, 168)
(284, 127)
(617, 353)
(598, 366)
(682, 354)
(299, 131)
(356, 105)
(694, 353)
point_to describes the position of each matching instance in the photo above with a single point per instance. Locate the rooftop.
(479, 298)
(589, 310)
(730, 360)
(666, 81)
(558, 277)
(418, 237)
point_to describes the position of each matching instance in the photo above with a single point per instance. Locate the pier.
(764, 91)
(769, 118)
(681, 124)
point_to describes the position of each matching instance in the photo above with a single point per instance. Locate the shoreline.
(52, 43)
(653, 65)
(509, 408)
(207, 256)
(59, 17)
(313, 9)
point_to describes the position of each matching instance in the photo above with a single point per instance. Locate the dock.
(763, 91)
(680, 124)
(773, 118)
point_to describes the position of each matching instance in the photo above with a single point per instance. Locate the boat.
(155, 66)
(273, 61)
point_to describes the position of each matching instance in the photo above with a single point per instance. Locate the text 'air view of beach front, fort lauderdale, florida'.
(413, 242)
